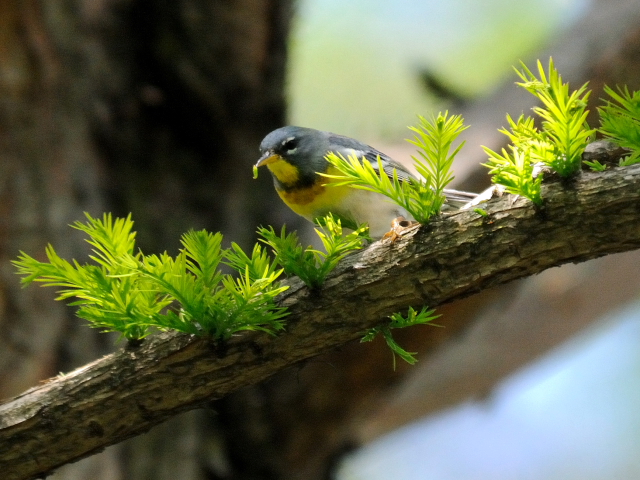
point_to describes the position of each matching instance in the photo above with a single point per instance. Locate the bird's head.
(294, 155)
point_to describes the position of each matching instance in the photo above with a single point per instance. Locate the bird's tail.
(457, 199)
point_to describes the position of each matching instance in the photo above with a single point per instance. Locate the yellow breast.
(283, 171)
(352, 206)
(316, 200)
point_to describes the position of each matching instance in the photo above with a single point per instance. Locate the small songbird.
(295, 157)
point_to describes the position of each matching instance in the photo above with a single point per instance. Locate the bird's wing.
(457, 199)
(349, 146)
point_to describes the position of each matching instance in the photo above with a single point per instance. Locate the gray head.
(304, 148)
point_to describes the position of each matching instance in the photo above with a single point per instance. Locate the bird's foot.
(399, 227)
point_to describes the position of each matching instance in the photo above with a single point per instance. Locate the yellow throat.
(311, 201)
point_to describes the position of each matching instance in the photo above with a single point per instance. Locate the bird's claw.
(399, 227)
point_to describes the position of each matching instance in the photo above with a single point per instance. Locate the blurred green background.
(355, 67)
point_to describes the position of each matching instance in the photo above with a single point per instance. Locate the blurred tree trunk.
(154, 107)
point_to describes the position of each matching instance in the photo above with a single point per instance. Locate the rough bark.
(298, 423)
(128, 92)
(128, 392)
(517, 324)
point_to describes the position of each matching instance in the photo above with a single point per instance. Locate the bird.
(295, 156)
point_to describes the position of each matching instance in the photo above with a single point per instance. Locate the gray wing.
(349, 146)
(457, 199)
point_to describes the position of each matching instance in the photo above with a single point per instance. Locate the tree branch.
(130, 391)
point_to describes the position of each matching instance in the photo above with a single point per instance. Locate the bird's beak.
(267, 158)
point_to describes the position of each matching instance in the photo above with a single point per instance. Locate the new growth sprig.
(514, 169)
(558, 145)
(421, 197)
(620, 121)
(310, 264)
(398, 320)
(435, 139)
(565, 132)
(132, 293)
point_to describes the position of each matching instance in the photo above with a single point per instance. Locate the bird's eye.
(290, 144)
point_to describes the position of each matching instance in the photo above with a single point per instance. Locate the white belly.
(376, 210)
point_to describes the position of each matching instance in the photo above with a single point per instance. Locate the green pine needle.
(422, 198)
(514, 170)
(595, 165)
(564, 118)
(399, 321)
(620, 121)
(126, 291)
(135, 293)
(311, 265)
(558, 145)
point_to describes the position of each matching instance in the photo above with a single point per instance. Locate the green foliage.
(595, 165)
(131, 292)
(558, 145)
(434, 140)
(422, 198)
(311, 265)
(564, 116)
(514, 169)
(620, 121)
(398, 321)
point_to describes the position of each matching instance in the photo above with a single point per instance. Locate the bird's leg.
(399, 227)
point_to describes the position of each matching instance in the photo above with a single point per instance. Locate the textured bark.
(128, 392)
(298, 423)
(162, 104)
(517, 324)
